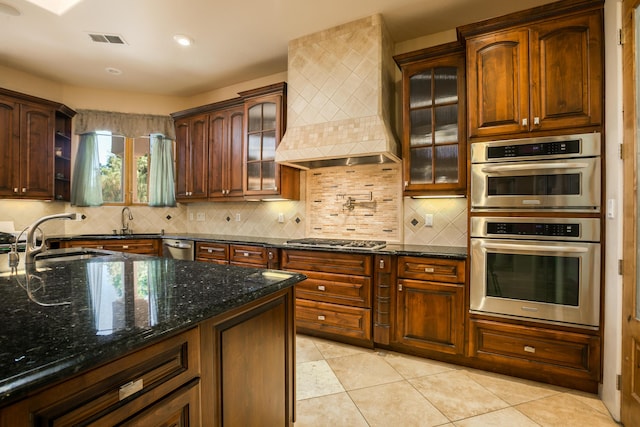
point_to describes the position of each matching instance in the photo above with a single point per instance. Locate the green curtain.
(161, 174)
(86, 185)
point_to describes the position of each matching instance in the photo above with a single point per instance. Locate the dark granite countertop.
(66, 317)
(452, 252)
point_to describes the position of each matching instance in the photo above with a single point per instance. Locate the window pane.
(421, 166)
(420, 88)
(141, 162)
(253, 176)
(446, 164)
(269, 145)
(421, 127)
(269, 176)
(253, 151)
(269, 116)
(446, 88)
(111, 149)
(255, 118)
(446, 124)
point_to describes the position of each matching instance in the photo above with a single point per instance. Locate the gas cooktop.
(338, 243)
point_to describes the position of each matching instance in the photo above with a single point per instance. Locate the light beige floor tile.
(331, 349)
(508, 417)
(306, 350)
(413, 367)
(590, 399)
(564, 410)
(456, 395)
(396, 404)
(315, 379)
(513, 390)
(363, 370)
(335, 410)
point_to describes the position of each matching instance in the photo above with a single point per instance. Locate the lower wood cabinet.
(430, 308)
(136, 246)
(571, 359)
(237, 254)
(335, 299)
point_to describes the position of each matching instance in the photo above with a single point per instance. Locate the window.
(124, 168)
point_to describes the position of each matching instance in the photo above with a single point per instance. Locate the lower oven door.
(557, 282)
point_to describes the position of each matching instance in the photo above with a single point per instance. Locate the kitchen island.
(138, 339)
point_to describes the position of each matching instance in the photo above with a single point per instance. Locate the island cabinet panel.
(136, 246)
(384, 281)
(430, 304)
(163, 375)
(335, 301)
(248, 376)
(236, 254)
(216, 253)
(544, 75)
(571, 359)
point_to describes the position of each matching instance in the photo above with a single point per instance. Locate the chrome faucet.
(126, 216)
(32, 249)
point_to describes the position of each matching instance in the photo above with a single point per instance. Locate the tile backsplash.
(321, 213)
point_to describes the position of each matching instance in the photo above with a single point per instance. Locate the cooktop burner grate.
(337, 243)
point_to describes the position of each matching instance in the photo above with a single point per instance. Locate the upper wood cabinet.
(226, 132)
(265, 123)
(192, 148)
(433, 120)
(27, 126)
(536, 75)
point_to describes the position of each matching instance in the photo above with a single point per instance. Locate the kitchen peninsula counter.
(69, 317)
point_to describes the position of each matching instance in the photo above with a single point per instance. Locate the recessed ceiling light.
(7, 9)
(113, 71)
(183, 40)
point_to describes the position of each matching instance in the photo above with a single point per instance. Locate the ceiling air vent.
(107, 38)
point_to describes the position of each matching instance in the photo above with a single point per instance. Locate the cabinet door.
(9, 141)
(430, 316)
(226, 132)
(566, 64)
(434, 137)
(182, 158)
(498, 83)
(36, 151)
(192, 136)
(263, 136)
(235, 151)
(218, 123)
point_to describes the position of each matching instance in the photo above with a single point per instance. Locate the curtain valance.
(125, 124)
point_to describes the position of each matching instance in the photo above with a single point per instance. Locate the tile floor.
(341, 385)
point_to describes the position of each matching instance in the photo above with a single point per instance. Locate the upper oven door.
(564, 184)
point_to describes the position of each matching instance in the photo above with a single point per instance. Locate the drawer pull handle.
(125, 246)
(130, 388)
(321, 288)
(99, 247)
(381, 264)
(321, 317)
(429, 269)
(529, 349)
(246, 254)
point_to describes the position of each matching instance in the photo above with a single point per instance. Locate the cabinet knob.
(321, 317)
(15, 190)
(399, 287)
(321, 288)
(270, 255)
(536, 121)
(429, 270)
(406, 184)
(99, 247)
(381, 264)
(24, 189)
(125, 246)
(525, 123)
(529, 349)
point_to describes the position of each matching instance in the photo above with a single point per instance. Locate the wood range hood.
(340, 91)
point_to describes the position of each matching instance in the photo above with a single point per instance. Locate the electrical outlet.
(200, 216)
(428, 220)
(281, 217)
(238, 217)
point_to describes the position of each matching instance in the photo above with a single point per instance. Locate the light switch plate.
(428, 220)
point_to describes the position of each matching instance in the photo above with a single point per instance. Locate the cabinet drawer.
(335, 288)
(206, 251)
(137, 246)
(248, 255)
(547, 351)
(328, 262)
(333, 319)
(432, 269)
(134, 381)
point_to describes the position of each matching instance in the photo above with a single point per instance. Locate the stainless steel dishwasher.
(178, 249)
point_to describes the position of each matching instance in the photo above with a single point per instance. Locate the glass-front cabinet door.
(433, 108)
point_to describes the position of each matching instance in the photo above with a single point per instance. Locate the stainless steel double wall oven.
(535, 228)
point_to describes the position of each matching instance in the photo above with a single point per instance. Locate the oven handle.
(531, 166)
(516, 247)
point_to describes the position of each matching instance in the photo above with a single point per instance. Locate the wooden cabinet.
(192, 149)
(536, 71)
(248, 365)
(164, 375)
(27, 126)
(265, 123)
(434, 120)
(571, 359)
(136, 246)
(237, 254)
(430, 304)
(335, 299)
(384, 281)
(226, 133)
(62, 154)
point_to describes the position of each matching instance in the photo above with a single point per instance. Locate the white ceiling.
(235, 41)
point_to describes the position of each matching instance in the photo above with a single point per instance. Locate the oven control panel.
(534, 149)
(533, 229)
